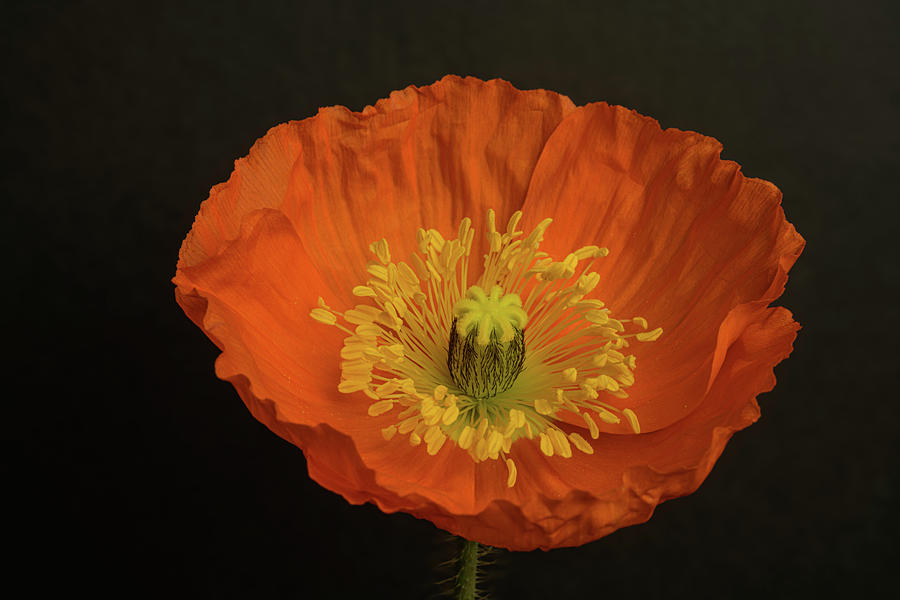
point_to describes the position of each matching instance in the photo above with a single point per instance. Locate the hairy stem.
(468, 571)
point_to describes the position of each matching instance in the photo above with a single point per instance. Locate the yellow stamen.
(563, 351)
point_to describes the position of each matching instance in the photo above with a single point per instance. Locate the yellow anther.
(615, 356)
(480, 453)
(590, 391)
(495, 442)
(381, 250)
(561, 270)
(632, 419)
(598, 316)
(513, 223)
(407, 277)
(433, 415)
(466, 438)
(436, 443)
(377, 271)
(323, 316)
(546, 444)
(408, 412)
(570, 374)
(348, 387)
(592, 426)
(464, 226)
(587, 283)
(357, 316)
(437, 241)
(543, 406)
(537, 235)
(581, 443)
(607, 417)
(560, 443)
(450, 415)
(590, 305)
(408, 424)
(392, 352)
(371, 353)
(351, 352)
(422, 240)
(590, 252)
(367, 331)
(399, 306)
(363, 291)
(388, 387)
(380, 407)
(420, 269)
(511, 470)
(388, 432)
(495, 240)
(608, 383)
(649, 336)
(615, 324)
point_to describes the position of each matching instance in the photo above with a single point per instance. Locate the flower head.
(496, 381)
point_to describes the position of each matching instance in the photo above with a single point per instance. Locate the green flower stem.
(468, 571)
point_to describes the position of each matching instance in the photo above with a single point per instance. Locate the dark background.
(132, 469)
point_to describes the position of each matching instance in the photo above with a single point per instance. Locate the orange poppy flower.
(340, 272)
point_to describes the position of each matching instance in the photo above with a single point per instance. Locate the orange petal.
(422, 157)
(253, 300)
(259, 180)
(695, 247)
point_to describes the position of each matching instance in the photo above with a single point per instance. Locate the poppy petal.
(253, 300)
(692, 242)
(424, 157)
(259, 180)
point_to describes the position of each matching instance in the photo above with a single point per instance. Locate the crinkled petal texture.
(695, 248)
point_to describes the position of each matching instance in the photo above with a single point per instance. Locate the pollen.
(483, 366)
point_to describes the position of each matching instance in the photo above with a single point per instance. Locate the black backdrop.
(132, 469)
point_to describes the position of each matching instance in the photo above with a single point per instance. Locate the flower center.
(450, 358)
(487, 345)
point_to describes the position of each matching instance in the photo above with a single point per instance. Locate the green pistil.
(487, 343)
